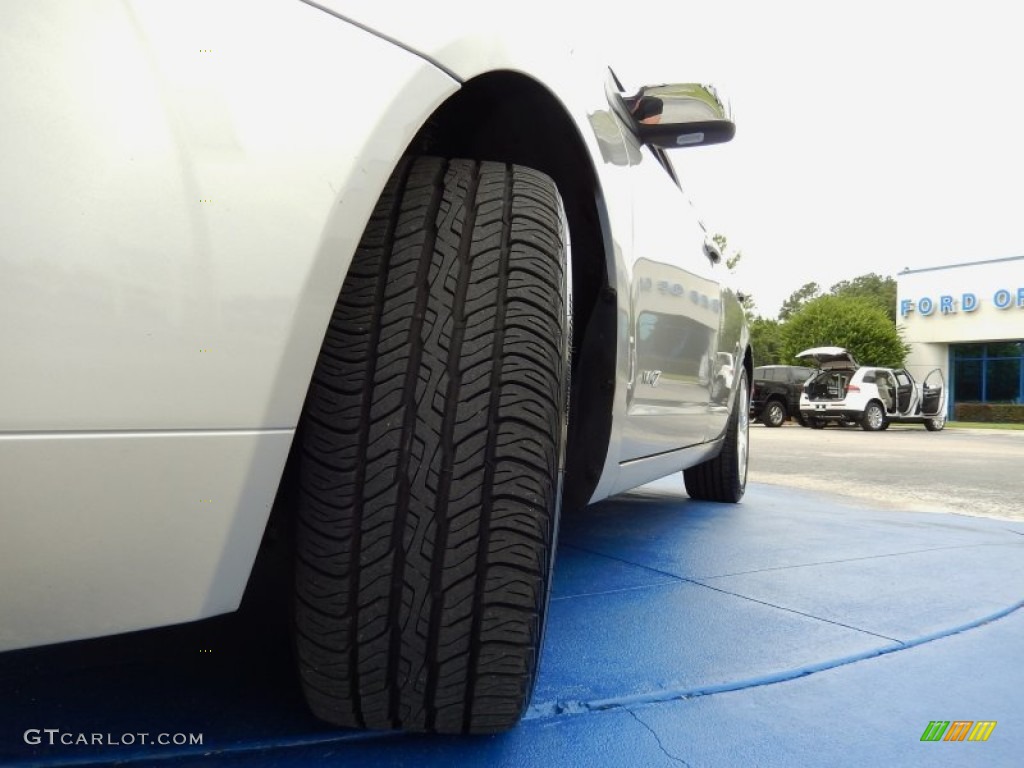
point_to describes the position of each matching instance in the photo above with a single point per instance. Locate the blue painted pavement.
(788, 630)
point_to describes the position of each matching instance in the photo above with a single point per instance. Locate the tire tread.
(430, 455)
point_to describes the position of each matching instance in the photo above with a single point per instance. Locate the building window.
(967, 380)
(988, 373)
(1003, 381)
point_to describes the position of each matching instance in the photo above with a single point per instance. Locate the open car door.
(907, 396)
(933, 394)
(933, 401)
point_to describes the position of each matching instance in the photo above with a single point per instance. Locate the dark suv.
(775, 396)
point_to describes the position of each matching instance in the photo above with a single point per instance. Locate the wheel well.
(508, 117)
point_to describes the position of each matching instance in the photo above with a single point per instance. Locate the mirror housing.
(679, 115)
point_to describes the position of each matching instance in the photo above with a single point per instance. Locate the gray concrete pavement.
(967, 471)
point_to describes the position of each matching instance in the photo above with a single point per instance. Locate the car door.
(933, 394)
(674, 319)
(907, 397)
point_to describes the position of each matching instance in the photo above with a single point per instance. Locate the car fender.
(181, 209)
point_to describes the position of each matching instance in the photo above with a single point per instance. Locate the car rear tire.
(431, 459)
(935, 424)
(873, 418)
(774, 414)
(724, 478)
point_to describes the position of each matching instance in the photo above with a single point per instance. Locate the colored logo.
(958, 730)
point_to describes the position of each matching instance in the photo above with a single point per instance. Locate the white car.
(314, 258)
(843, 391)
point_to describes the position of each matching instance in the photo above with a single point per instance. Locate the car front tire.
(935, 424)
(724, 478)
(433, 444)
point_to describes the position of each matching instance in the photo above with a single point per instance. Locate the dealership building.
(968, 321)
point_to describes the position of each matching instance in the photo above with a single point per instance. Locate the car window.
(828, 384)
(869, 377)
(760, 373)
(902, 379)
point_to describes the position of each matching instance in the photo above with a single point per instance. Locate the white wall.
(925, 357)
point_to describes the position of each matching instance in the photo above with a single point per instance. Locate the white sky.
(870, 137)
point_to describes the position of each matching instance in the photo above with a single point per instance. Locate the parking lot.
(800, 627)
(967, 471)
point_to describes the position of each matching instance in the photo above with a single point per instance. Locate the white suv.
(843, 391)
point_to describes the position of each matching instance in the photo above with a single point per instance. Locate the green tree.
(731, 262)
(722, 242)
(855, 323)
(766, 340)
(877, 289)
(797, 299)
(747, 302)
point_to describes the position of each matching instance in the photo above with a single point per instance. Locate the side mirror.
(679, 115)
